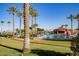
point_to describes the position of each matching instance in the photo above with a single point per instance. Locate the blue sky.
(50, 15)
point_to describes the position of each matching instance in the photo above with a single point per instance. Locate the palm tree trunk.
(20, 26)
(33, 25)
(32, 20)
(13, 26)
(71, 26)
(26, 44)
(1, 29)
(78, 26)
(8, 27)
(35, 20)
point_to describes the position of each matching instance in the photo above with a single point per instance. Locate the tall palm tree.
(77, 17)
(32, 10)
(20, 14)
(9, 25)
(13, 10)
(71, 17)
(2, 27)
(34, 14)
(26, 44)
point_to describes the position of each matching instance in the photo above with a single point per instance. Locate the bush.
(75, 45)
(6, 34)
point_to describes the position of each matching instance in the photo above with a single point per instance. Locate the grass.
(9, 47)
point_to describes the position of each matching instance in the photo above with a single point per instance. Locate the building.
(63, 32)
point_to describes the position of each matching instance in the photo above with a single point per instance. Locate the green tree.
(8, 22)
(2, 26)
(40, 30)
(77, 17)
(34, 14)
(13, 10)
(20, 14)
(71, 17)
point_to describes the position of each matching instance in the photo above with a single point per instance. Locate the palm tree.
(13, 10)
(77, 17)
(26, 44)
(32, 10)
(20, 14)
(9, 25)
(71, 17)
(2, 27)
(34, 14)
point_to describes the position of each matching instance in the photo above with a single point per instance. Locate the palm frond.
(13, 10)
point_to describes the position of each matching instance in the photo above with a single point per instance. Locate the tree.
(40, 30)
(71, 17)
(9, 25)
(20, 14)
(77, 17)
(26, 44)
(13, 10)
(34, 14)
(35, 24)
(75, 41)
(2, 27)
(32, 10)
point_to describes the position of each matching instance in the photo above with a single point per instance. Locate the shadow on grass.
(40, 52)
(19, 50)
(49, 53)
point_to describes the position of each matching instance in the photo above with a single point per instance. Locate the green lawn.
(9, 47)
